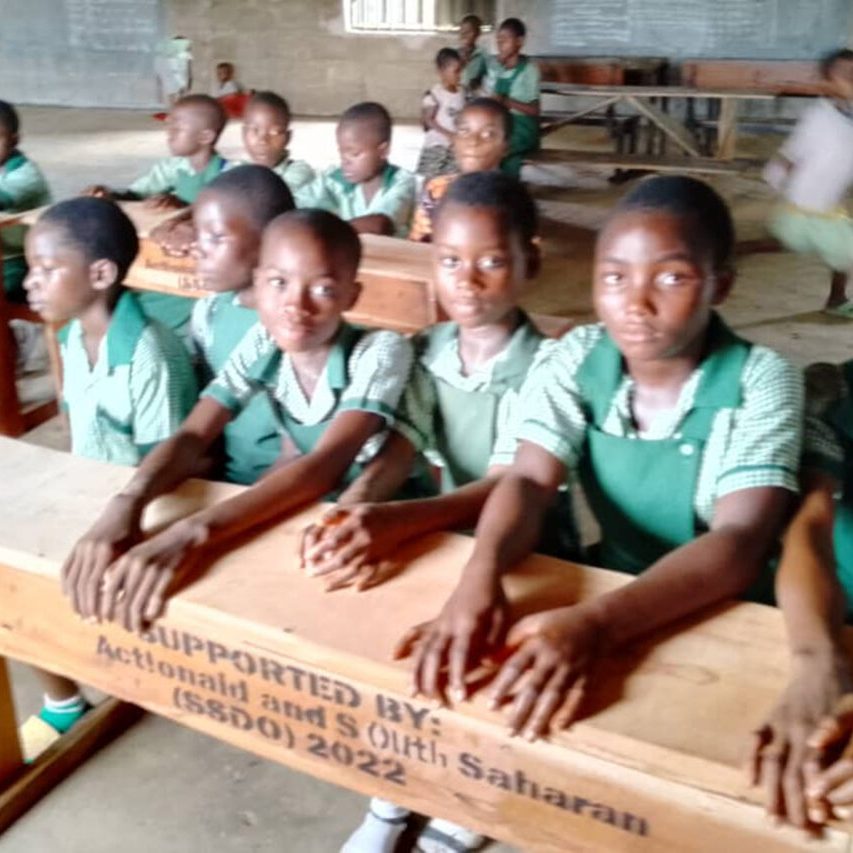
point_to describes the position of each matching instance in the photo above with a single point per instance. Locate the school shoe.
(442, 836)
(380, 830)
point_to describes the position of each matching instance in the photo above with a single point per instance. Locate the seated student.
(230, 215)
(479, 145)
(194, 126)
(22, 187)
(127, 382)
(685, 439)
(333, 389)
(795, 753)
(374, 196)
(814, 172)
(463, 393)
(473, 57)
(439, 109)
(514, 80)
(226, 83)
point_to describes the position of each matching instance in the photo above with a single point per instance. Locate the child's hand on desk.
(134, 589)
(164, 201)
(782, 760)
(547, 674)
(831, 790)
(349, 543)
(470, 626)
(84, 568)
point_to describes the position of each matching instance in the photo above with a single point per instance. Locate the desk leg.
(727, 129)
(10, 750)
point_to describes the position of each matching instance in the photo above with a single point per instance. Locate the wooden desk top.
(653, 91)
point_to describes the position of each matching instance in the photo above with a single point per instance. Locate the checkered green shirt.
(395, 198)
(755, 445)
(22, 187)
(136, 394)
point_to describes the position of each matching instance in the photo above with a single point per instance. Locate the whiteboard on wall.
(742, 29)
(80, 52)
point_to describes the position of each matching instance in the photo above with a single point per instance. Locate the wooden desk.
(640, 99)
(255, 654)
(774, 77)
(603, 70)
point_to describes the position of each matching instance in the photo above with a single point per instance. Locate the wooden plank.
(110, 718)
(775, 77)
(10, 750)
(678, 133)
(656, 91)
(641, 162)
(727, 130)
(255, 654)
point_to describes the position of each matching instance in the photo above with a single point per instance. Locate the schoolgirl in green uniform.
(685, 438)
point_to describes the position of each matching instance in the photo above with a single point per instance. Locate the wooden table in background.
(257, 655)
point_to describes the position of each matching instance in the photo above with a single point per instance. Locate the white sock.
(382, 826)
(442, 836)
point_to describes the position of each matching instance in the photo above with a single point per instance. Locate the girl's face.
(481, 265)
(363, 154)
(266, 135)
(653, 287)
(479, 143)
(468, 35)
(302, 288)
(59, 282)
(450, 75)
(508, 44)
(227, 243)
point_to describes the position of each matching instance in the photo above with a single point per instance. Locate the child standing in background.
(439, 109)
(472, 56)
(366, 190)
(514, 80)
(226, 84)
(814, 172)
(127, 382)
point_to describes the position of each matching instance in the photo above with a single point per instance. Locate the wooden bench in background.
(257, 655)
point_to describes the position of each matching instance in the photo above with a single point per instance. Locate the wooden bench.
(257, 655)
(642, 162)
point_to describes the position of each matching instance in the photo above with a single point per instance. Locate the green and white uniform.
(137, 393)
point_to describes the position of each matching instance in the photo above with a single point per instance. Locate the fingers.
(97, 559)
(309, 539)
(460, 649)
(550, 700)
(567, 712)
(113, 590)
(760, 738)
(793, 783)
(509, 675)
(157, 599)
(429, 663)
(138, 604)
(410, 640)
(833, 780)
(773, 758)
(344, 577)
(353, 551)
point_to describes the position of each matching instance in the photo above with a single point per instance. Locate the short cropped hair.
(500, 192)
(9, 117)
(515, 26)
(445, 56)
(369, 112)
(473, 20)
(336, 234)
(496, 108)
(99, 228)
(213, 111)
(702, 208)
(260, 191)
(272, 100)
(827, 63)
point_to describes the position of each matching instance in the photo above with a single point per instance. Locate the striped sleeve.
(765, 435)
(234, 386)
(379, 368)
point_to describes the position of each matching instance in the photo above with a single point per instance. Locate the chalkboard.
(80, 52)
(736, 29)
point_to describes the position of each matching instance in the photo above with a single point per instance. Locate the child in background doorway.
(440, 107)
(514, 80)
(814, 173)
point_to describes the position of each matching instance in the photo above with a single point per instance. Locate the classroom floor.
(164, 788)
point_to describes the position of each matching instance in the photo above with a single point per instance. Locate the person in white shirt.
(225, 77)
(439, 109)
(813, 172)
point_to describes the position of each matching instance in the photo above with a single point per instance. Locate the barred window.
(413, 16)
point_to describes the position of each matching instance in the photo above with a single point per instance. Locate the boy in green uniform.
(514, 80)
(474, 58)
(266, 137)
(127, 381)
(230, 216)
(686, 441)
(193, 128)
(333, 389)
(373, 195)
(462, 396)
(22, 187)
